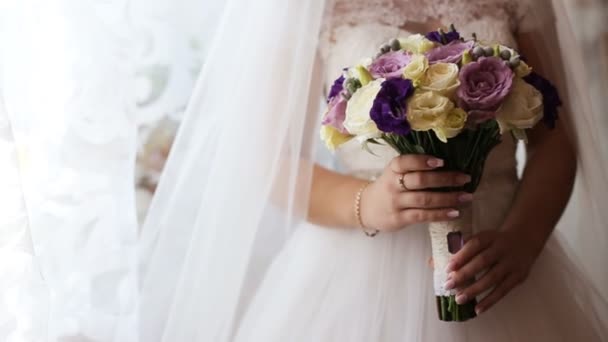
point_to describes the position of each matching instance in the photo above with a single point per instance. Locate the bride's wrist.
(360, 220)
(533, 236)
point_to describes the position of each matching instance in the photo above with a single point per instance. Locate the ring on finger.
(402, 182)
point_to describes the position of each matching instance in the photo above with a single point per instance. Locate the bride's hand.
(505, 256)
(386, 205)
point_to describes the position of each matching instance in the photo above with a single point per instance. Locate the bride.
(251, 239)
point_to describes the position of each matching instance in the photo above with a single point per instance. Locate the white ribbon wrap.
(439, 241)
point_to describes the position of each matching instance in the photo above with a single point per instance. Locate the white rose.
(427, 110)
(521, 109)
(416, 43)
(416, 67)
(358, 121)
(441, 78)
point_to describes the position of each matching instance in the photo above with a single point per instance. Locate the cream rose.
(441, 78)
(451, 125)
(521, 109)
(416, 67)
(427, 109)
(358, 122)
(523, 69)
(416, 43)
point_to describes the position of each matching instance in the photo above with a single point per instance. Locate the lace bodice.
(355, 30)
(398, 12)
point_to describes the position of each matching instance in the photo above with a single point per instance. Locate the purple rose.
(389, 110)
(483, 86)
(445, 38)
(336, 88)
(390, 64)
(551, 98)
(336, 114)
(450, 53)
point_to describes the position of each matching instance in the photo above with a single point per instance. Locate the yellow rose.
(333, 138)
(522, 69)
(416, 67)
(427, 109)
(521, 109)
(358, 122)
(363, 75)
(441, 78)
(452, 125)
(416, 43)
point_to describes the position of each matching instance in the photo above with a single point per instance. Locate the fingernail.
(449, 267)
(449, 285)
(466, 197)
(463, 179)
(453, 213)
(435, 162)
(461, 299)
(478, 311)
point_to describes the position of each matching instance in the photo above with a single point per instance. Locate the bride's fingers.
(493, 277)
(498, 293)
(429, 200)
(414, 162)
(482, 261)
(428, 180)
(413, 216)
(470, 249)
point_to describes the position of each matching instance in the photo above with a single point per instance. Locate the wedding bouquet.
(445, 96)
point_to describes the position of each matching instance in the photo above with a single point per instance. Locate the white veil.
(237, 179)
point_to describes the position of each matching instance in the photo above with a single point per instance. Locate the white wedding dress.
(339, 285)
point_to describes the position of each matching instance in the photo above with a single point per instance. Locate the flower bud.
(514, 62)
(477, 52)
(505, 54)
(488, 51)
(395, 44)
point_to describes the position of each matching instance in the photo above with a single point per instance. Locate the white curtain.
(70, 135)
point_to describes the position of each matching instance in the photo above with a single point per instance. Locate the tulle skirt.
(340, 285)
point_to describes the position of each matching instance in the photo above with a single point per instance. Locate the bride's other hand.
(505, 256)
(389, 205)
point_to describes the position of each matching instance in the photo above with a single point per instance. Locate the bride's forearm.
(332, 198)
(545, 187)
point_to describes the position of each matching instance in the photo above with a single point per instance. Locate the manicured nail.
(479, 311)
(453, 213)
(461, 299)
(435, 162)
(449, 267)
(463, 179)
(449, 284)
(465, 198)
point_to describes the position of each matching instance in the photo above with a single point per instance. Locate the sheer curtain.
(66, 90)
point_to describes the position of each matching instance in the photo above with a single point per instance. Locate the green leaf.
(419, 149)
(365, 146)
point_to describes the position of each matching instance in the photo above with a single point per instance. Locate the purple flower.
(336, 88)
(450, 53)
(389, 110)
(445, 38)
(551, 98)
(336, 114)
(390, 64)
(483, 86)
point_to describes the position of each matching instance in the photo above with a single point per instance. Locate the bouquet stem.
(446, 239)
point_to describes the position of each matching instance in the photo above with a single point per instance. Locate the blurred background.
(110, 81)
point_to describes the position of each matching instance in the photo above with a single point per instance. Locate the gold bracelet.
(358, 212)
